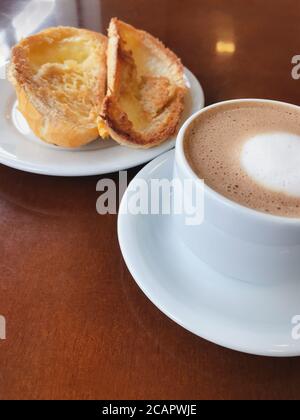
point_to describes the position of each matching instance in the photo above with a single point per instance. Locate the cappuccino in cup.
(249, 152)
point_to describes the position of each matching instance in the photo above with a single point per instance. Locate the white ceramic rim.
(181, 160)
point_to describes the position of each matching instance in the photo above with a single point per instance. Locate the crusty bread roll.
(146, 88)
(60, 79)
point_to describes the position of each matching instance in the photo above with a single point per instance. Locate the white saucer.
(21, 149)
(245, 317)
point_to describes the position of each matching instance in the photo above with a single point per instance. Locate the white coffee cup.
(234, 240)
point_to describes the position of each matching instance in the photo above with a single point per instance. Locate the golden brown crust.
(57, 111)
(146, 89)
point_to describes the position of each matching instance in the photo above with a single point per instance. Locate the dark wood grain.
(77, 324)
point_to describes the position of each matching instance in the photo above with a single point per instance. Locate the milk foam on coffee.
(250, 153)
(273, 160)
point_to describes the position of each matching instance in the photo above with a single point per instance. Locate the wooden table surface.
(77, 324)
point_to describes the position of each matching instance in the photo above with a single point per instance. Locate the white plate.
(21, 149)
(245, 317)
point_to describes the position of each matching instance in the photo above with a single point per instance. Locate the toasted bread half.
(146, 88)
(60, 79)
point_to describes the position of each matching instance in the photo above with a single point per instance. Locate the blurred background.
(237, 48)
